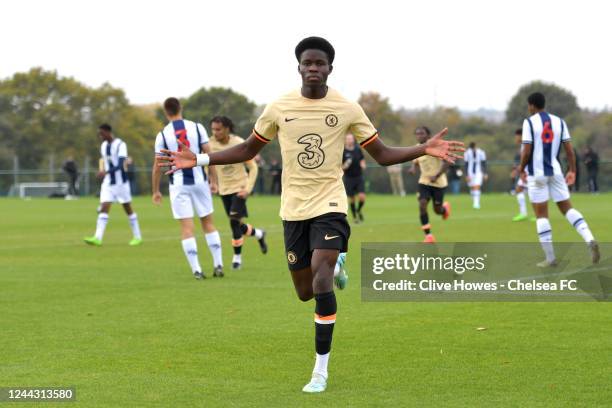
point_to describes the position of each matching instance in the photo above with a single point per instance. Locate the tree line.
(43, 115)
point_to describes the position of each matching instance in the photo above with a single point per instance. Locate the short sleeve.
(123, 150)
(266, 127)
(527, 137)
(203, 133)
(159, 144)
(362, 128)
(565, 134)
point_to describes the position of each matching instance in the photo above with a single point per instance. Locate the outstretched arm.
(435, 146)
(185, 158)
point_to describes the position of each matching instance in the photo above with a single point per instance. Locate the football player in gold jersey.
(310, 124)
(432, 183)
(235, 184)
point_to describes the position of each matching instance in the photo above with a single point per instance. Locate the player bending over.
(189, 188)
(311, 124)
(432, 184)
(235, 185)
(543, 134)
(115, 186)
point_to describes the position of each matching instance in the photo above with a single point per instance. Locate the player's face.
(102, 134)
(517, 139)
(421, 136)
(219, 131)
(532, 109)
(349, 141)
(314, 67)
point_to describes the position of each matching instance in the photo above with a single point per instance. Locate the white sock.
(575, 218)
(237, 258)
(545, 235)
(476, 197)
(520, 197)
(190, 247)
(135, 227)
(213, 239)
(258, 233)
(101, 225)
(321, 364)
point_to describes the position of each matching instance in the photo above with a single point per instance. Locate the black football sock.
(353, 211)
(325, 318)
(425, 223)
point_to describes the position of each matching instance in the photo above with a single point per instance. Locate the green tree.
(559, 101)
(205, 103)
(383, 117)
(43, 114)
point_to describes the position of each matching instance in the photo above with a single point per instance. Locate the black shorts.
(353, 185)
(430, 192)
(327, 231)
(234, 205)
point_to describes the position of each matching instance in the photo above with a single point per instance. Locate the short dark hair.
(518, 131)
(106, 126)
(537, 99)
(172, 106)
(225, 121)
(315, 43)
(472, 145)
(424, 129)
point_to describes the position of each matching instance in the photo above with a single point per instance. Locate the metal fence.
(377, 179)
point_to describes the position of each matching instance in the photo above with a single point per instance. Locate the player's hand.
(214, 188)
(570, 178)
(513, 173)
(157, 198)
(433, 178)
(446, 150)
(485, 177)
(182, 159)
(468, 179)
(100, 175)
(523, 176)
(242, 194)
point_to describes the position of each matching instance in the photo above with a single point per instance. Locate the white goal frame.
(60, 186)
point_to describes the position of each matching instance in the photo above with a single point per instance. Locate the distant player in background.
(475, 171)
(432, 183)
(519, 188)
(542, 135)
(235, 185)
(189, 188)
(115, 186)
(353, 164)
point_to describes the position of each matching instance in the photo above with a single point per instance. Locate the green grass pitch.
(130, 327)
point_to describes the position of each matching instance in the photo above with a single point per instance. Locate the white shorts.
(542, 188)
(475, 180)
(521, 183)
(184, 199)
(112, 193)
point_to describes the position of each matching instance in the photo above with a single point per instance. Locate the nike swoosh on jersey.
(327, 237)
(290, 119)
